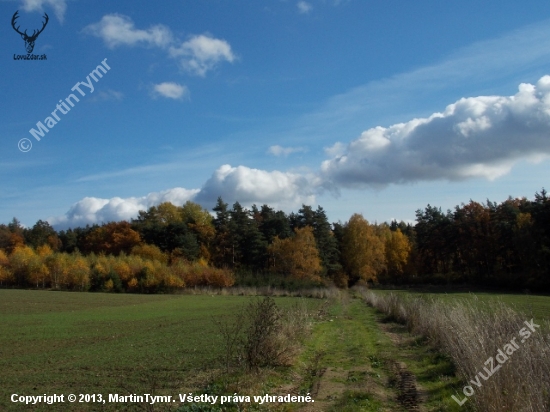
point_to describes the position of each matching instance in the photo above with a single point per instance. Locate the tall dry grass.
(315, 293)
(470, 332)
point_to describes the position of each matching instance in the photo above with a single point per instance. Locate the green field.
(63, 342)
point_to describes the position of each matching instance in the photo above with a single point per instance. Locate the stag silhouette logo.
(29, 40)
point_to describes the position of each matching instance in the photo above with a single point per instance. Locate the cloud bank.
(248, 186)
(473, 137)
(92, 210)
(477, 137)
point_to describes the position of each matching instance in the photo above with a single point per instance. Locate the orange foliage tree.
(112, 238)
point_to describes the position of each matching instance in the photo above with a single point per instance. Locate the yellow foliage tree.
(297, 256)
(23, 261)
(362, 250)
(77, 274)
(58, 267)
(6, 276)
(44, 251)
(398, 249)
(150, 252)
(123, 270)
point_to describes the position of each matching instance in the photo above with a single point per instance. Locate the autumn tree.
(324, 237)
(150, 252)
(112, 238)
(397, 250)
(200, 223)
(297, 256)
(6, 275)
(181, 231)
(77, 273)
(363, 252)
(57, 264)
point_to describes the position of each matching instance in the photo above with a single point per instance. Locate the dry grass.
(315, 293)
(470, 332)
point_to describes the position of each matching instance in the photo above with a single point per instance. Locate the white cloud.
(202, 53)
(92, 210)
(284, 151)
(473, 137)
(249, 186)
(118, 30)
(337, 149)
(304, 7)
(198, 55)
(108, 94)
(492, 66)
(170, 90)
(59, 6)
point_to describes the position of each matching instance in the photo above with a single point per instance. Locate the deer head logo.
(29, 40)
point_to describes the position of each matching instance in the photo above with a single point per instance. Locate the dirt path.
(350, 365)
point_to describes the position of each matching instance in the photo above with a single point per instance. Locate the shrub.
(263, 335)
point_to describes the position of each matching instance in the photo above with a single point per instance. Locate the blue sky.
(375, 107)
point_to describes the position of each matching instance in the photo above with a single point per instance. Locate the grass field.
(354, 360)
(62, 342)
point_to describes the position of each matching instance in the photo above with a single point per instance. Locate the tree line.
(170, 247)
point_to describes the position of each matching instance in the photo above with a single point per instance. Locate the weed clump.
(263, 335)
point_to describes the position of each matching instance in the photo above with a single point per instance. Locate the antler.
(34, 33)
(46, 18)
(15, 16)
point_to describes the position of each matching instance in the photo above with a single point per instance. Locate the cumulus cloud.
(304, 7)
(92, 210)
(473, 137)
(198, 55)
(170, 90)
(118, 30)
(337, 149)
(284, 151)
(59, 6)
(249, 186)
(477, 137)
(202, 53)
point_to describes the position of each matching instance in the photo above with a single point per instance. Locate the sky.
(378, 107)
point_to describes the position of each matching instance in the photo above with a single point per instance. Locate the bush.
(260, 344)
(196, 274)
(263, 335)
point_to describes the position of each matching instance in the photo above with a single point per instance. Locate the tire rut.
(408, 394)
